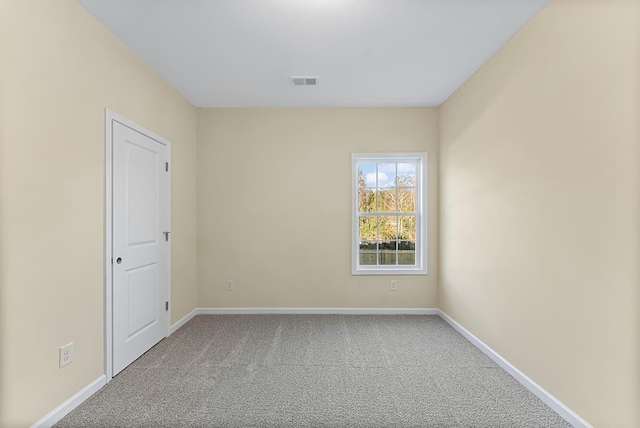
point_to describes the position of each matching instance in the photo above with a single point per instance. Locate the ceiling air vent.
(304, 80)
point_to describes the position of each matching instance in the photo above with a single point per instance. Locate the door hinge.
(166, 306)
(166, 235)
(166, 166)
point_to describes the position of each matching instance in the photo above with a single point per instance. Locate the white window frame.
(422, 218)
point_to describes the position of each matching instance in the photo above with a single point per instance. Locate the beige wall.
(274, 198)
(59, 69)
(540, 198)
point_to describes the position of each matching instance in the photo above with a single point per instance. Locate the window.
(389, 213)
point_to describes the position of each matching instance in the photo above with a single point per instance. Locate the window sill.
(394, 272)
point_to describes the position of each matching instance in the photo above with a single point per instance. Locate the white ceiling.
(240, 53)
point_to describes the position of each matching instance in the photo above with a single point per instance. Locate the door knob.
(119, 260)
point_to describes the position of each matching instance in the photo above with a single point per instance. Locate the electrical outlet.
(66, 354)
(394, 285)
(229, 285)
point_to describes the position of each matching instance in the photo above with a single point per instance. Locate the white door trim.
(109, 118)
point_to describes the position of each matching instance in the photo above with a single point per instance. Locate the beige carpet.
(313, 371)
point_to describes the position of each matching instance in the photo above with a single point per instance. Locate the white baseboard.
(320, 311)
(551, 401)
(78, 398)
(183, 321)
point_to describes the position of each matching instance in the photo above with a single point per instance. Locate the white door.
(140, 245)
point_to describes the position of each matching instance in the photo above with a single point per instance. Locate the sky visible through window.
(387, 174)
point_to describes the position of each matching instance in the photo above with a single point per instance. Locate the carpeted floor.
(313, 371)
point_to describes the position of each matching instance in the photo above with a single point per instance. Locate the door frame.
(109, 118)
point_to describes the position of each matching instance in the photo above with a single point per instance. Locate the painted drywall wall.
(540, 198)
(60, 70)
(274, 199)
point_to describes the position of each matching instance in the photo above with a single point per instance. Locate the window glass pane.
(368, 229)
(387, 227)
(387, 252)
(386, 175)
(407, 253)
(368, 253)
(386, 200)
(367, 175)
(366, 200)
(406, 175)
(406, 200)
(385, 211)
(407, 227)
